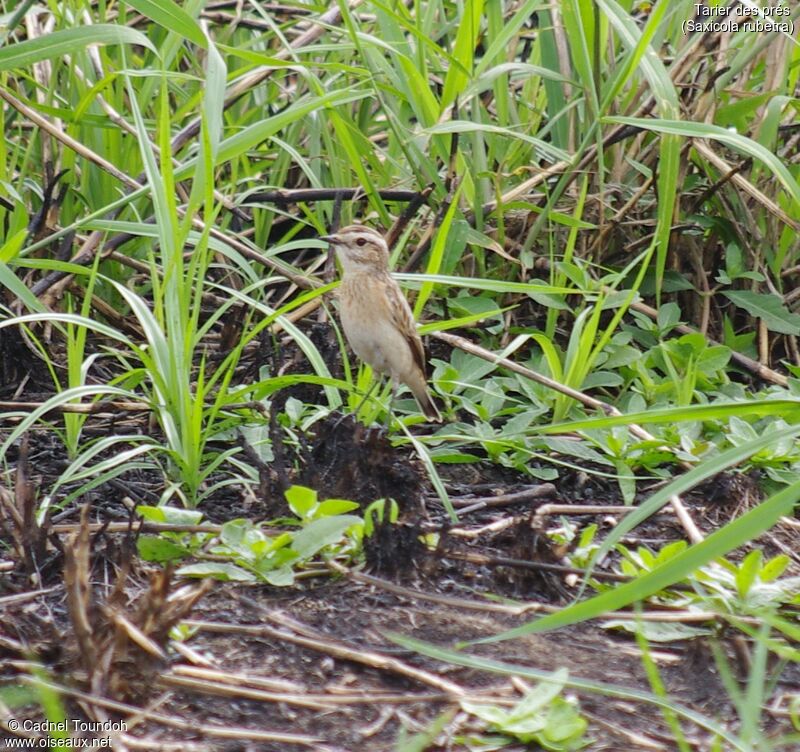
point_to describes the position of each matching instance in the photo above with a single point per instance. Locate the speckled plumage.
(376, 317)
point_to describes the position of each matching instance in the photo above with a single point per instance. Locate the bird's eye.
(361, 241)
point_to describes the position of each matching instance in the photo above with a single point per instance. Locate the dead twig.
(300, 634)
(732, 174)
(110, 407)
(217, 732)
(665, 614)
(298, 195)
(18, 518)
(467, 506)
(538, 566)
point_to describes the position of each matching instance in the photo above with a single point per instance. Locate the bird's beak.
(329, 238)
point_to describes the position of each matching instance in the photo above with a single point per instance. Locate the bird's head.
(359, 248)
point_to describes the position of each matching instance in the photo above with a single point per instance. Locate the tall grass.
(579, 155)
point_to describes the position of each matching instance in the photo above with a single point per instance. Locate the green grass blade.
(172, 17)
(67, 42)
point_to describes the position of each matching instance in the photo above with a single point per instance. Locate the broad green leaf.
(767, 307)
(218, 570)
(301, 499)
(657, 631)
(169, 515)
(331, 507)
(747, 572)
(156, 548)
(234, 531)
(321, 533)
(282, 577)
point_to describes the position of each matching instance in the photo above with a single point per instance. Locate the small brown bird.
(376, 317)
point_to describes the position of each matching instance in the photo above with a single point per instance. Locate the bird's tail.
(427, 405)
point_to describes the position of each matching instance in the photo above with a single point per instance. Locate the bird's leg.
(375, 383)
(395, 385)
(354, 413)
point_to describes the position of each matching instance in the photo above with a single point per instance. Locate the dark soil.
(318, 658)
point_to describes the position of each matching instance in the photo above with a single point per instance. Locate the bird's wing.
(400, 311)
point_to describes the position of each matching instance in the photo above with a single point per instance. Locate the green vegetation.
(245, 552)
(600, 199)
(541, 717)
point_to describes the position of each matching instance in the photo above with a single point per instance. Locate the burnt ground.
(314, 665)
